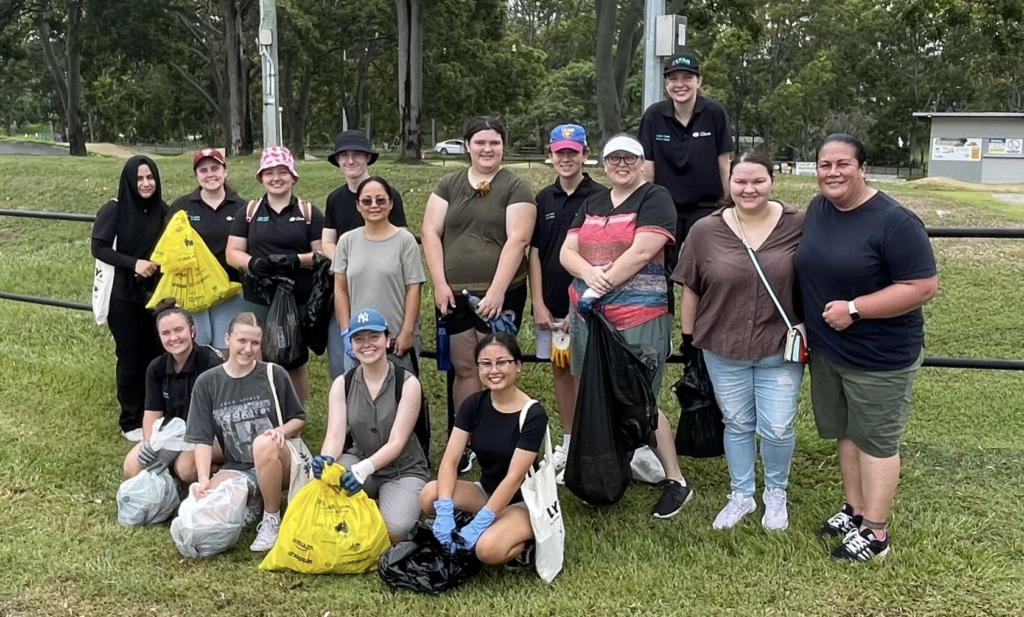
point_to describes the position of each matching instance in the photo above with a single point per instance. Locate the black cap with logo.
(682, 62)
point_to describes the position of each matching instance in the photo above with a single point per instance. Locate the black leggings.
(136, 344)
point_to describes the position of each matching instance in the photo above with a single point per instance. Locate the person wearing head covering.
(277, 237)
(125, 232)
(211, 209)
(353, 155)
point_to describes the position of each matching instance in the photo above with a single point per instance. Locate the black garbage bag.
(282, 336)
(424, 566)
(701, 433)
(616, 412)
(320, 307)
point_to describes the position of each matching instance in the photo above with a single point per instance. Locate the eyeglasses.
(622, 159)
(369, 201)
(501, 364)
(482, 189)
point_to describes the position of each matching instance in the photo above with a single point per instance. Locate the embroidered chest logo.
(665, 138)
(550, 216)
(702, 134)
(194, 217)
(263, 219)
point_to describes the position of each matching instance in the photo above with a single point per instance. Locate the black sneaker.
(840, 524)
(526, 558)
(861, 546)
(674, 494)
(466, 462)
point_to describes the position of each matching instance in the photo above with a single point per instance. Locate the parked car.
(451, 146)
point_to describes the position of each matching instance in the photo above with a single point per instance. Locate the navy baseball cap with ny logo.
(682, 62)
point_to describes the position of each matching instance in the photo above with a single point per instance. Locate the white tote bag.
(541, 496)
(301, 471)
(102, 285)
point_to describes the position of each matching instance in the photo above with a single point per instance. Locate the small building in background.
(985, 147)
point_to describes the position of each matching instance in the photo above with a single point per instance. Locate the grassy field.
(958, 545)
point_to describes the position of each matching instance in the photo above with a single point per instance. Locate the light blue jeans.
(212, 324)
(338, 363)
(757, 396)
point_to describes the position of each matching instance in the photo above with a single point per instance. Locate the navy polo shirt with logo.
(556, 211)
(686, 157)
(343, 216)
(170, 392)
(281, 233)
(212, 224)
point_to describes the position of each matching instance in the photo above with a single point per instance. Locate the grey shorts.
(397, 499)
(867, 407)
(518, 504)
(656, 334)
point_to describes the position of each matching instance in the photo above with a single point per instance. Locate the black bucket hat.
(352, 141)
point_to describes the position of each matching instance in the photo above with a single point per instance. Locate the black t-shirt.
(686, 157)
(556, 211)
(171, 392)
(844, 255)
(212, 225)
(136, 235)
(285, 233)
(494, 436)
(343, 215)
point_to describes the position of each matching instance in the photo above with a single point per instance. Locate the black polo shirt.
(686, 157)
(555, 213)
(280, 233)
(343, 216)
(212, 224)
(170, 392)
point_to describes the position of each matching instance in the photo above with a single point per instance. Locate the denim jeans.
(757, 396)
(338, 363)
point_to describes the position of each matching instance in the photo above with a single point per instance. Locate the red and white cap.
(276, 156)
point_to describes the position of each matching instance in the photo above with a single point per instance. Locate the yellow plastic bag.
(325, 531)
(560, 354)
(191, 274)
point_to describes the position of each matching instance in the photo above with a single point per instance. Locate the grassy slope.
(958, 546)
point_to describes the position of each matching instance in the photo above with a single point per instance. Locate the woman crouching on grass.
(501, 530)
(170, 379)
(235, 406)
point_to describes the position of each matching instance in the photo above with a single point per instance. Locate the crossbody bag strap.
(273, 391)
(767, 285)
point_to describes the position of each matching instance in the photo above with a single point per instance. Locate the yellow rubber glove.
(560, 354)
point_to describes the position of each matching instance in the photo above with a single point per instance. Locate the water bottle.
(474, 302)
(444, 357)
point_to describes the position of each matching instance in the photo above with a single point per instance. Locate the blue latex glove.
(505, 323)
(348, 344)
(319, 462)
(444, 522)
(350, 484)
(472, 532)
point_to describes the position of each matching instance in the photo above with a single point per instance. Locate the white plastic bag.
(102, 286)
(646, 467)
(211, 525)
(170, 437)
(540, 493)
(147, 499)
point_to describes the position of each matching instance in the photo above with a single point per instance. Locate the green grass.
(958, 543)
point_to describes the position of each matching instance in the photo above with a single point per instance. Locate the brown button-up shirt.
(736, 317)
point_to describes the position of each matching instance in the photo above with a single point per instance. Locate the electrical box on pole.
(670, 35)
(664, 37)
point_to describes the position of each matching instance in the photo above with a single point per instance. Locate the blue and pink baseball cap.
(568, 136)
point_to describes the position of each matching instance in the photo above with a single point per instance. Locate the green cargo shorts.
(867, 407)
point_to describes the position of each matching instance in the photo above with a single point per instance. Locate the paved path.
(31, 148)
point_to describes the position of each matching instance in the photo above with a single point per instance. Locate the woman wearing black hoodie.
(133, 222)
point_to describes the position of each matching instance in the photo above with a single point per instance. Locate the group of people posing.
(850, 272)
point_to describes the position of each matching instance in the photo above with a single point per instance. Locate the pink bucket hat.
(276, 156)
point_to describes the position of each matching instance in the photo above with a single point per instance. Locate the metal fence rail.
(1006, 233)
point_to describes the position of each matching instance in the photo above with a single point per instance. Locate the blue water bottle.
(444, 357)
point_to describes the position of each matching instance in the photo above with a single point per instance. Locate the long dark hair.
(500, 338)
(849, 140)
(749, 156)
(381, 181)
(483, 123)
(168, 307)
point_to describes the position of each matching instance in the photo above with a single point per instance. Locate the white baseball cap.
(622, 143)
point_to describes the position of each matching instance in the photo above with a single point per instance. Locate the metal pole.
(268, 56)
(653, 90)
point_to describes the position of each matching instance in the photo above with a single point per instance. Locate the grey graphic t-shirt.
(235, 411)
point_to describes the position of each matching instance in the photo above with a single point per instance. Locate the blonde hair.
(245, 319)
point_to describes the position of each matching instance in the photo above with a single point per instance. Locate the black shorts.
(463, 318)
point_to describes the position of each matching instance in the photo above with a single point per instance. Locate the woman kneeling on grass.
(235, 406)
(501, 530)
(367, 404)
(170, 379)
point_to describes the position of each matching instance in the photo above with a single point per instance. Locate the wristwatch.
(854, 315)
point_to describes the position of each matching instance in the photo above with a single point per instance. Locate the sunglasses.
(369, 201)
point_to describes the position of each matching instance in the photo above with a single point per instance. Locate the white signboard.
(806, 169)
(956, 149)
(1013, 146)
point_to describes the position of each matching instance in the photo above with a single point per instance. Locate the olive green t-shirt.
(474, 228)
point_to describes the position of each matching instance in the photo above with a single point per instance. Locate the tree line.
(409, 71)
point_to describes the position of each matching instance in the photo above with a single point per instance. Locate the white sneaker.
(134, 435)
(775, 518)
(266, 535)
(735, 509)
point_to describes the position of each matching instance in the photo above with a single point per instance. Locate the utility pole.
(268, 57)
(653, 90)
